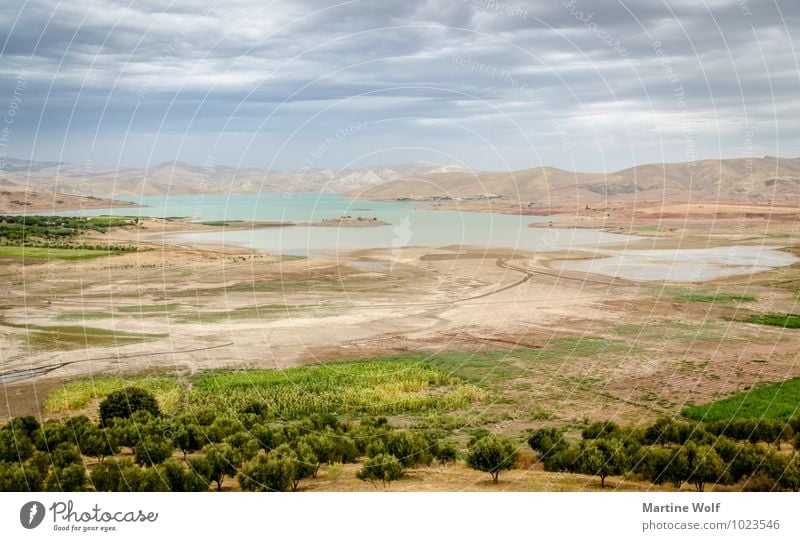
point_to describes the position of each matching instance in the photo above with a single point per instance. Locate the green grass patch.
(66, 254)
(77, 395)
(259, 311)
(82, 316)
(777, 401)
(713, 298)
(148, 308)
(787, 321)
(67, 337)
(221, 223)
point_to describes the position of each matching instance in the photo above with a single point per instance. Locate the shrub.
(267, 473)
(409, 448)
(117, 476)
(71, 478)
(445, 452)
(15, 446)
(152, 450)
(125, 402)
(384, 468)
(547, 441)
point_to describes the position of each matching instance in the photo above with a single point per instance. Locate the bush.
(492, 454)
(445, 452)
(17, 477)
(15, 446)
(172, 476)
(409, 448)
(71, 478)
(384, 468)
(601, 429)
(97, 442)
(547, 441)
(125, 402)
(152, 450)
(117, 476)
(267, 473)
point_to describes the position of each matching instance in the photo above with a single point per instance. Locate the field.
(450, 343)
(364, 387)
(787, 321)
(779, 401)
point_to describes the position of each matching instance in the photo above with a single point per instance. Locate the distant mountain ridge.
(751, 179)
(180, 178)
(740, 179)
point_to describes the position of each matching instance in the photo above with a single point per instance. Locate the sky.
(582, 85)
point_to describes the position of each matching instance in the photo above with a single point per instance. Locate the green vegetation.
(492, 454)
(65, 254)
(787, 321)
(384, 468)
(125, 402)
(713, 298)
(76, 395)
(375, 387)
(18, 229)
(778, 401)
(147, 308)
(221, 223)
(259, 311)
(54, 237)
(66, 337)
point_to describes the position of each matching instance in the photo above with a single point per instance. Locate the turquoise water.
(408, 226)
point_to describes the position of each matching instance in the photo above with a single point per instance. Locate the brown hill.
(756, 179)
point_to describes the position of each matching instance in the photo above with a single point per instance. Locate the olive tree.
(492, 454)
(384, 468)
(267, 473)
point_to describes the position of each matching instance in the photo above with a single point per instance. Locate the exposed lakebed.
(410, 226)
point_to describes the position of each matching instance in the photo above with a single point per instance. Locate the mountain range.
(744, 179)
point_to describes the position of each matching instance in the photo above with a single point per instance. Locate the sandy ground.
(211, 306)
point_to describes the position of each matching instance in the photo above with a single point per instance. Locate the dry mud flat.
(615, 348)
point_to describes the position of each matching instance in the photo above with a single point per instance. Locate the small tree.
(492, 454)
(409, 448)
(704, 465)
(384, 468)
(125, 402)
(187, 436)
(152, 450)
(303, 458)
(71, 478)
(117, 476)
(601, 457)
(547, 441)
(15, 446)
(97, 442)
(221, 460)
(267, 473)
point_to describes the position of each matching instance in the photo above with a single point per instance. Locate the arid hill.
(756, 180)
(179, 178)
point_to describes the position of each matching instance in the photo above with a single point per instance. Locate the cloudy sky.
(586, 85)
